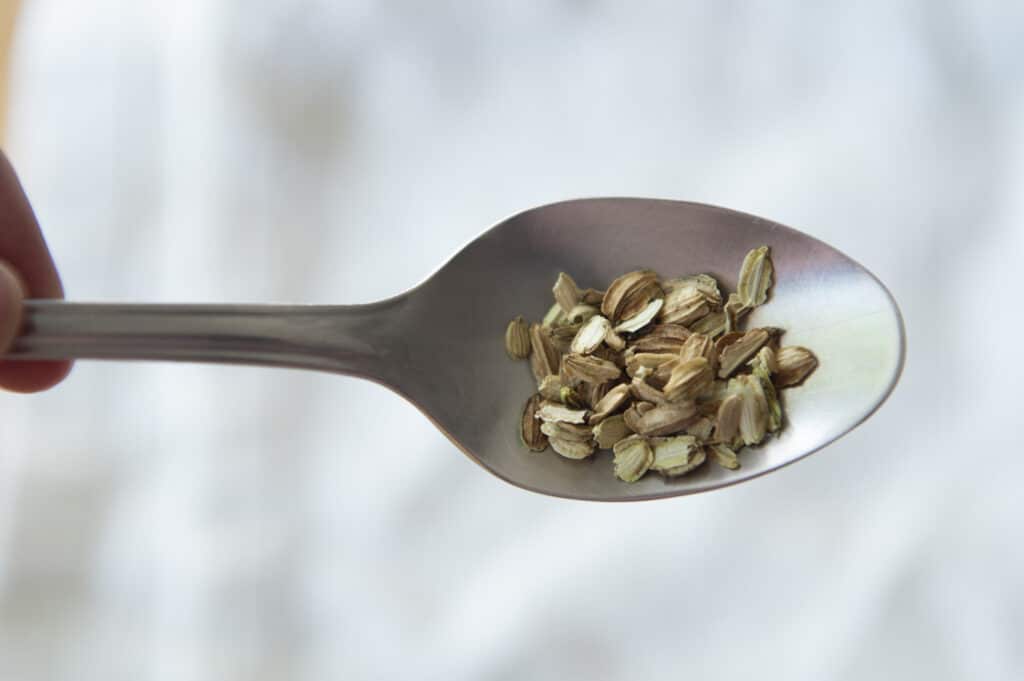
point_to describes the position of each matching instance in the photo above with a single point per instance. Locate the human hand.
(26, 271)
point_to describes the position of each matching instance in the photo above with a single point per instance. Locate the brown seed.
(544, 353)
(753, 420)
(650, 360)
(711, 400)
(610, 431)
(530, 431)
(569, 397)
(550, 388)
(606, 353)
(610, 403)
(614, 341)
(698, 345)
(665, 419)
(592, 297)
(561, 346)
(590, 336)
(701, 428)
(728, 424)
(539, 367)
(565, 331)
(589, 368)
(675, 456)
(689, 379)
(561, 337)
(567, 431)
(554, 317)
(633, 456)
(772, 399)
(675, 331)
(763, 364)
(724, 456)
(635, 413)
(517, 339)
(553, 411)
(626, 285)
(753, 408)
(636, 302)
(684, 306)
(755, 277)
(660, 376)
(645, 316)
(725, 340)
(703, 283)
(642, 391)
(657, 344)
(794, 364)
(712, 325)
(572, 449)
(581, 313)
(594, 392)
(709, 408)
(644, 407)
(631, 417)
(719, 391)
(567, 293)
(734, 355)
(643, 372)
(734, 310)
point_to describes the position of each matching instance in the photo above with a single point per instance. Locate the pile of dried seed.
(657, 371)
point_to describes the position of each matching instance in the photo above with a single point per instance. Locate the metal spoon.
(440, 345)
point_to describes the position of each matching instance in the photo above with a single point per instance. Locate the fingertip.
(18, 376)
(33, 376)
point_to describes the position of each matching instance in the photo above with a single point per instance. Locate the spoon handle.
(332, 338)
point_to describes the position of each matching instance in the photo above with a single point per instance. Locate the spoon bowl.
(440, 345)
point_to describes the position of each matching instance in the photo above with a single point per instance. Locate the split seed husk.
(642, 318)
(553, 411)
(755, 278)
(727, 426)
(589, 368)
(572, 449)
(675, 456)
(530, 430)
(689, 379)
(613, 400)
(735, 354)
(517, 339)
(544, 357)
(793, 365)
(610, 431)
(620, 289)
(550, 388)
(567, 431)
(633, 457)
(665, 419)
(724, 456)
(590, 336)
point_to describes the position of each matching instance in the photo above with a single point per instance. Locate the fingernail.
(11, 295)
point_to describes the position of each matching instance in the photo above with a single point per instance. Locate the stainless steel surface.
(440, 344)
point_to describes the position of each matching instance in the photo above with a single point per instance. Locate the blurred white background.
(193, 523)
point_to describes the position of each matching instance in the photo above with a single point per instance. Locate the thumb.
(12, 293)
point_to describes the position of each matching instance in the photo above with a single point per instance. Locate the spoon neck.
(343, 339)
